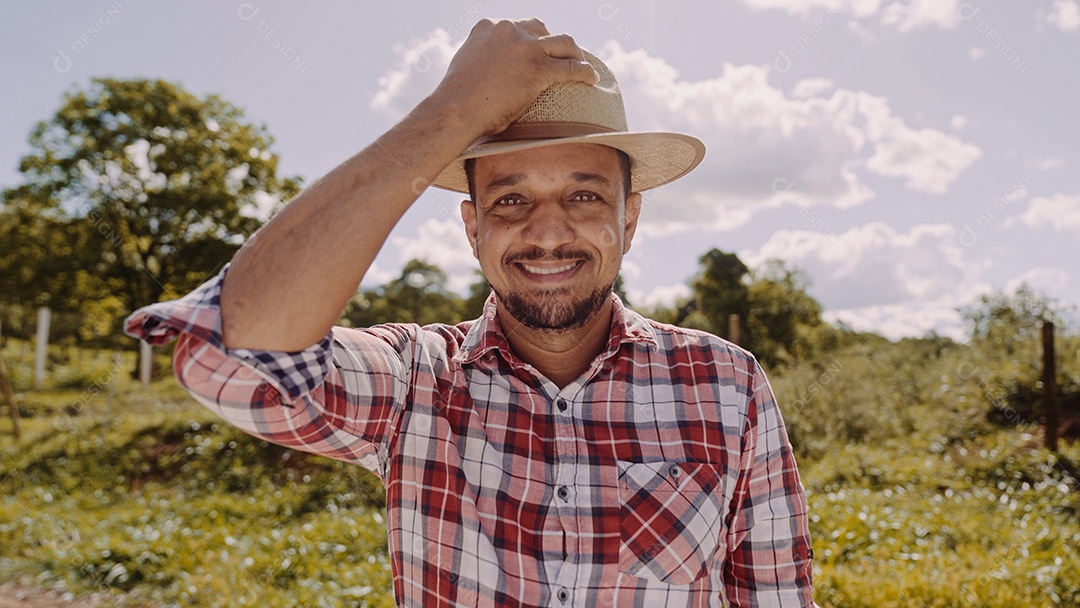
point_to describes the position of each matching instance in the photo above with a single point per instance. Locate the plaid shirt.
(662, 476)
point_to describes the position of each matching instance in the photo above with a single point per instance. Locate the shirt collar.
(487, 333)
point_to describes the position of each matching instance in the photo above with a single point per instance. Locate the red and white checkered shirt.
(662, 476)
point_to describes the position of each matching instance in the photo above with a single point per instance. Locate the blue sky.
(908, 155)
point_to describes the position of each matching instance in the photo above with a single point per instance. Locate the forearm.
(288, 285)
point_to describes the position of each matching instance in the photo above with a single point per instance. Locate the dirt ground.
(21, 595)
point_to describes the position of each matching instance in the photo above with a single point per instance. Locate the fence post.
(1049, 382)
(733, 328)
(146, 362)
(43, 318)
(9, 397)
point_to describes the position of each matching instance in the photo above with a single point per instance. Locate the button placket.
(565, 497)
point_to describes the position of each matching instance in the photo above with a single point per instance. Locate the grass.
(145, 493)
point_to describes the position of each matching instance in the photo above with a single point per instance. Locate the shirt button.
(675, 471)
(563, 594)
(564, 493)
(562, 405)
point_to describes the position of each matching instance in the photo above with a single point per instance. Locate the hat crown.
(579, 113)
(600, 104)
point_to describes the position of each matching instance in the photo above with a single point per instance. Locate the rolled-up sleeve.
(341, 397)
(770, 561)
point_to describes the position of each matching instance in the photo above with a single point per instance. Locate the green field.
(915, 499)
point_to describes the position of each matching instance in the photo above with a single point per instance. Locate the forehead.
(550, 162)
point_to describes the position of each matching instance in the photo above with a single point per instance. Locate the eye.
(586, 197)
(509, 200)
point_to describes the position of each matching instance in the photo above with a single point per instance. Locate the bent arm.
(282, 292)
(288, 285)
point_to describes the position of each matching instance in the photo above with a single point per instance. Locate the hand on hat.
(503, 66)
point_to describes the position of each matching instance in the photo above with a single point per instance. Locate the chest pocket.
(671, 522)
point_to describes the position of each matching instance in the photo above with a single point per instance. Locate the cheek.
(490, 241)
(610, 237)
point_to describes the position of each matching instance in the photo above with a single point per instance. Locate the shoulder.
(701, 345)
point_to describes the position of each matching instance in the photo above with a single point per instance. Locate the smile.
(553, 270)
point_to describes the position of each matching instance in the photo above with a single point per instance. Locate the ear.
(468, 215)
(630, 219)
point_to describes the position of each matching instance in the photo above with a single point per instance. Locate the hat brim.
(656, 158)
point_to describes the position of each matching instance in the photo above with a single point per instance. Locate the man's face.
(550, 227)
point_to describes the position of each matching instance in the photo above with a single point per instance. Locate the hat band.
(547, 129)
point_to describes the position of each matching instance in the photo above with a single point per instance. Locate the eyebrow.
(515, 178)
(581, 176)
(505, 181)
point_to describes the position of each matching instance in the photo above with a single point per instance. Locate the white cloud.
(1064, 15)
(377, 276)
(1050, 282)
(443, 243)
(906, 16)
(1061, 212)
(629, 270)
(1050, 163)
(816, 146)
(811, 87)
(664, 295)
(766, 149)
(873, 277)
(977, 52)
(421, 67)
(959, 123)
(903, 15)
(929, 159)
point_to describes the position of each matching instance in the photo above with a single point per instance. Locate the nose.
(548, 226)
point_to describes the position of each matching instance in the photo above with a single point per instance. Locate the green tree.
(784, 321)
(719, 290)
(419, 295)
(1006, 361)
(144, 190)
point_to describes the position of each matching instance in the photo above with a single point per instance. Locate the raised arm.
(288, 285)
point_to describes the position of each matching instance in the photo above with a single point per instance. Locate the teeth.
(535, 270)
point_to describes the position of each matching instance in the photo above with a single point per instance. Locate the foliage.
(719, 290)
(784, 322)
(778, 321)
(419, 295)
(914, 498)
(134, 191)
(1006, 331)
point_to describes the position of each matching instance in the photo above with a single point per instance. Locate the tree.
(719, 290)
(419, 295)
(142, 190)
(1006, 340)
(783, 319)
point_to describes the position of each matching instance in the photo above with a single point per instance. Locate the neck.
(561, 356)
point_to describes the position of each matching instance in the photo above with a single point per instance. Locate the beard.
(549, 310)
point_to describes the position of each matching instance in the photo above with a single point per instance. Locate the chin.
(551, 310)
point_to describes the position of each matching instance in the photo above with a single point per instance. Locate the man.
(559, 451)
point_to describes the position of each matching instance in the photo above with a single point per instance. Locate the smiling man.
(559, 451)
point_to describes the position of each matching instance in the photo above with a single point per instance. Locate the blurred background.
(888, 217)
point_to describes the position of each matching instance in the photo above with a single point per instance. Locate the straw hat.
(574, 112)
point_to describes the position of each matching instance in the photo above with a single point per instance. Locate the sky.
(907, 155)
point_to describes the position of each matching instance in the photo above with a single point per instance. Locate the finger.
(561, 46)
(572, 69)
(534, 26)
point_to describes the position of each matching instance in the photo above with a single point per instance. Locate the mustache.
(536, 254)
